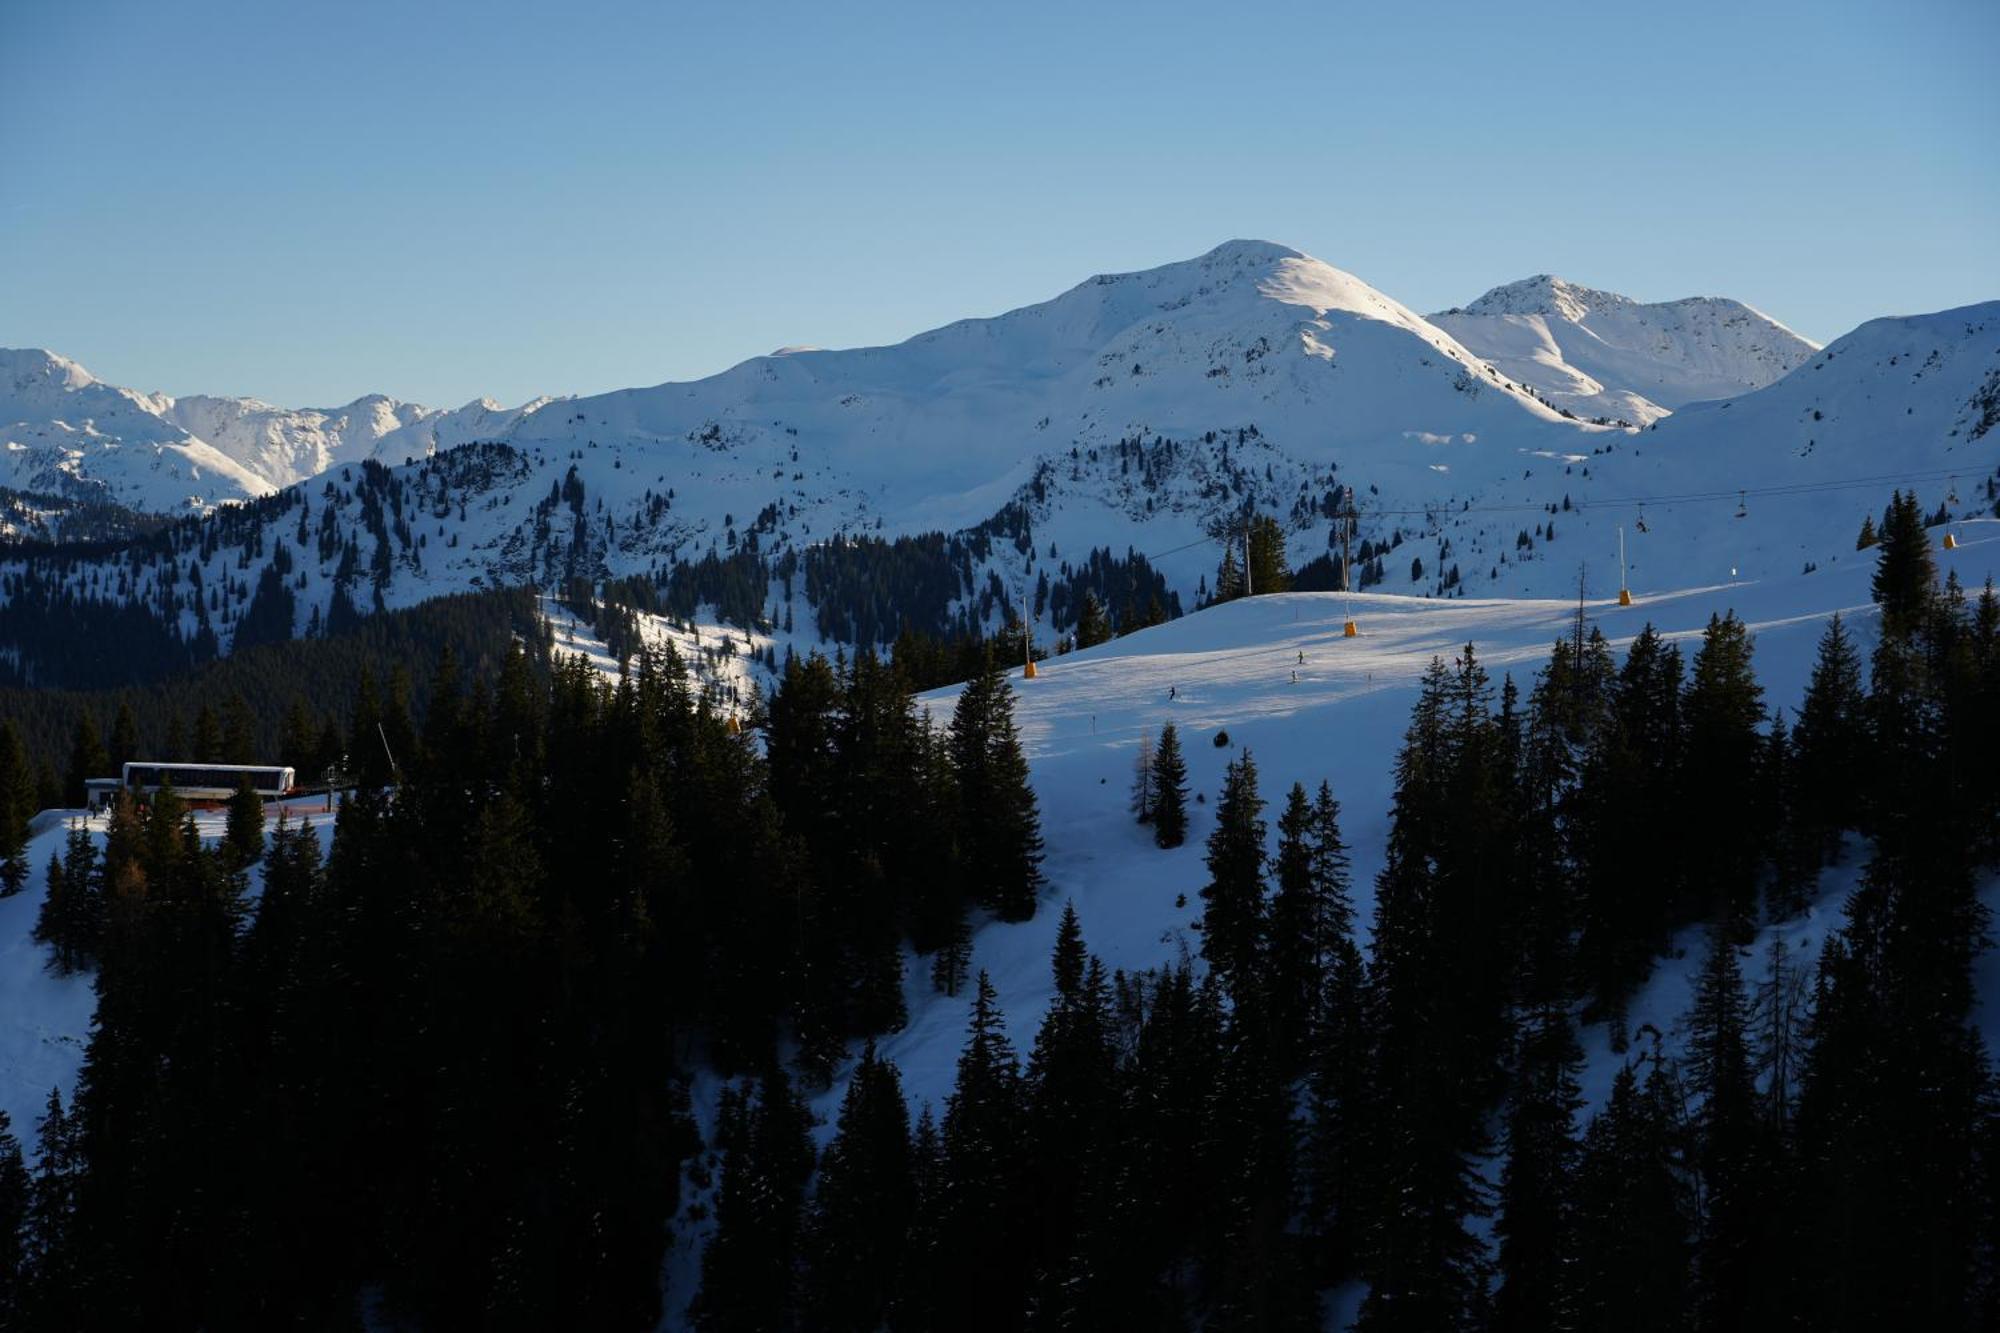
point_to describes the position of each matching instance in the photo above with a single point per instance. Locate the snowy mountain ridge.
(286, 445)
(1141, 414)
(1599, 354)
(65, 431)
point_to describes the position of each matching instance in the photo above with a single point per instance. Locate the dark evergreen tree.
(1072, 1107)
(982, 1245)
(1268, 569)
(1723, 792)
(1631, 1227)
(1436, 1009)
(1731, 1157)
(53, 1249)
(1235, 919)
(1537, 1222)
(207, 743)
(1228, 577)
(1169, 784)
(750, 1270)
(71, 920)
(1000, 825)
(1092, 625)
(124, 739)
(16, 1195)
(1905, 570)
(1830, 745)
(1144, 797)
(17, 804)
(864, 1206)
(87, 759)
(243, 834)
(1628, 903)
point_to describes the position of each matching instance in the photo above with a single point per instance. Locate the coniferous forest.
(438, 1070)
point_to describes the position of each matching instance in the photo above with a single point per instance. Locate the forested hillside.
(505, 1035)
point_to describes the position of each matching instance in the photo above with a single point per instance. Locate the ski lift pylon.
(1624, 592)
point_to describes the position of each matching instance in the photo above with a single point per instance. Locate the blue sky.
(310, 201)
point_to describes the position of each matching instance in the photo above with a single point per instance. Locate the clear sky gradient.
(309, 201)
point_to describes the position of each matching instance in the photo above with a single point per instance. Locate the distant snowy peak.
(285, 445)
(1545, 294)
(1599, 354)
(70, 433)
(26, 369)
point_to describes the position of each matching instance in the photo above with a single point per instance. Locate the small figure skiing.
(1173, 692)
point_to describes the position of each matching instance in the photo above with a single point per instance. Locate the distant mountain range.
(66, 432)
(1142, 413)
(1594, 354)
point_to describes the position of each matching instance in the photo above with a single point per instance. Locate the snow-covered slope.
(1599, 354)
(64, 432)
(1338, 717)
(1231, 669)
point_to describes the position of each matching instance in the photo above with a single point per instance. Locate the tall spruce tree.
(750, 1270)
(1428, 1082)
(17, 805)
(862, 1211)
(1905, 570)
(1830, 744)
(16, 1196)
(1144, 798)
(1092, 625)
(1169, 783)
(1730, 1158)
(1632, 1268)
(982, 1245)
(87, 759)
(1235, 919)
(243, 834)
(1072, 1105)
(1628, 904)
(1723, 790)
(999, 823)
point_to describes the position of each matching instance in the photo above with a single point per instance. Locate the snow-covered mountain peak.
(25, 366)
(1545, 294)
(1598, 354)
